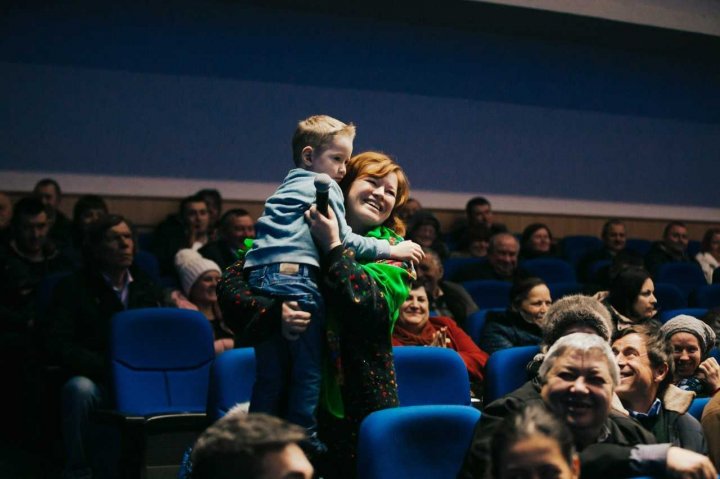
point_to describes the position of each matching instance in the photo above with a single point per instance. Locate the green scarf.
(393, 280)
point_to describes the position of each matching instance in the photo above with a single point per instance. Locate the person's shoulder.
(624, 429)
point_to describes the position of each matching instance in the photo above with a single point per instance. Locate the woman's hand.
(407, 251)
(294, 320)
(440, 338)
(324, 229)
(711, 370)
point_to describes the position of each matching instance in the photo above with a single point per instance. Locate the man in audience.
(502, 262)
(6, 211)
(80, 313)
(28, 258)
(478, 211)
(252, 446)
(446, 298)
(412, 206)
(235, 227)
(614, 238)
(646, 367)
(49, 192)
(672, 248)
(213, 200)
(577, 381)
(187, 229)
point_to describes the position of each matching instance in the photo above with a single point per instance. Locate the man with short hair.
(577, 381)
(646, 390)
(214, 202)
(236, 226)
(446, 298)
(614, 237)
(80, 314)
(49, 192)
(502, 262)
(672, 248)
(25, 261)
(251, 446)
(189, 228)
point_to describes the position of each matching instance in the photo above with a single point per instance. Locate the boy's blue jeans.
(290, 369)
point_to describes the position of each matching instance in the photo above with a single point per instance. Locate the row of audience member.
(479, 236)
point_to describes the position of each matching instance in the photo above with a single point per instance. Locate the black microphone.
(322, 188)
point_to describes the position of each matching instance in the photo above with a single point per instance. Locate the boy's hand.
(324, 229)
(294, 320)
(407, 251)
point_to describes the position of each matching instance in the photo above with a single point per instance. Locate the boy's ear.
(306, 155)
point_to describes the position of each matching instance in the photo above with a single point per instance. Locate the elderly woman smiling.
(415, 327)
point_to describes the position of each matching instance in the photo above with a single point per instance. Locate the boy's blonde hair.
(318, 131)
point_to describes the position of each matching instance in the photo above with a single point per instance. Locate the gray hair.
(580, 342)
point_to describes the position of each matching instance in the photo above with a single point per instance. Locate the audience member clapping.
(446, 298)
(691, 341)
(199, 277)
(415, 327)
(536, 241)
(709, 255)
(236, 226)
(520, 324)
(646, 390)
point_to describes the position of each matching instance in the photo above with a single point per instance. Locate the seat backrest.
(559, 290)
(489, 293)
(575, 247)
(697, 407)
(668, 314)
(707, 296)
(638, 245)
(426, 442)
(475, 323)
(669, 296)
(551, 270)
(452, 265)
(505, 371)
(160, 361)
(687, 276)
(150, 265)
(231, 381)
(430, 375)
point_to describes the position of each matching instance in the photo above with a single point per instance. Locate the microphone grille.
(322, 182)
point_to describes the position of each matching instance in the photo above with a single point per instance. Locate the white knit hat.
(190, 266)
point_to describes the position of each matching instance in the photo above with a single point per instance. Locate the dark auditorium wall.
(212, 90)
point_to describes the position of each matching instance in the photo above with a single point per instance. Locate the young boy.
(284, 263)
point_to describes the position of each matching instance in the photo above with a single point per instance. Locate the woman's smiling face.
(370, 201)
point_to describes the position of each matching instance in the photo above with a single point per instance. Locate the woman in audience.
(363, 302)
(533, 443)
(520, 324)
(631, 298)
(709, 255)
(537, 242)
(474, 242)
(424, 229)
(692, 340)
(199, 278)
(415, 327)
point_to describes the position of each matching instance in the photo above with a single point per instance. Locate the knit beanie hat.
(688, 324)
(190, 266)
(576, 309)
